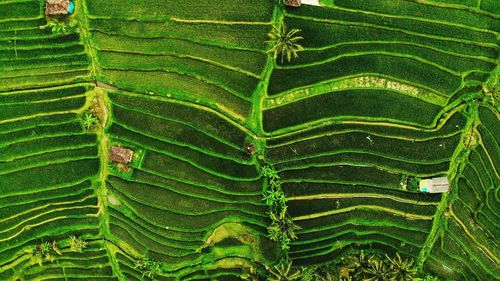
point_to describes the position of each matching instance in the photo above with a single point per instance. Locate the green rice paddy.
(383, 90)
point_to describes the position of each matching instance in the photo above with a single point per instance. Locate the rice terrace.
(311, 140)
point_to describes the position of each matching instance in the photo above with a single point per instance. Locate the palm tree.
(282, 228)
(401, 270)
(284, 42)
(77, 244)
(283, 272)
(149, 267)
(89, 120)
(376, 271)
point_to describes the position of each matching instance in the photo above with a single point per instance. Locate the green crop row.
(11, 228)
(235, 36)
(203, 120)
(366, 216)
(41, 145)
(177, 203)
(318, 205)
(20, 83)
(209, 162)
(66, 60)
(13, 10)
(22, 54)
(359, 238)
(179, 238)
(407, 235)
(59, 156)
(450, 126)
(179, 133)
(186, 223)
(415, 73)
(230, 10)
(60, 226)
(330, 33)
(36, 178)
(145, 242)
(33, 122)
(20, 25)
(40, 41)
(181, 86)
(407, 150)
(179, 247)
(195, 190)
(184, 171)
(26, 97)
(249, 61)
(476, 258)
(424, 11)
(294, 189)
(482, 235)
(415, 25)
(235, 82)
(365, 175)
(360, 103)
(14, 212)
(451, 62)
(392, 233)
(70, 127)
(365, 159)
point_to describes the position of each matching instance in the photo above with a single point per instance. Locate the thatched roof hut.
(293, 3)
(57, 7)
(120, 154)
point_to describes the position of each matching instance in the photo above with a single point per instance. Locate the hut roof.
(120, 154)
(293, 3)
(435, 185)
(56, 7)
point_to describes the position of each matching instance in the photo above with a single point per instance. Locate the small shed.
(120, 155)
(435, 185)
(58, 7)
(293, 3)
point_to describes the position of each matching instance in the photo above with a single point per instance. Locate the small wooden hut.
(120, 155)
(293, 3)
(57, 7)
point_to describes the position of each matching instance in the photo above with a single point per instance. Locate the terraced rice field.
(384, 89)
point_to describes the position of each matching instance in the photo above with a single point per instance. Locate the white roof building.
(435, 185)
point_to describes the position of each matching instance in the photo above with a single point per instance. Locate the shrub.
(149, 267)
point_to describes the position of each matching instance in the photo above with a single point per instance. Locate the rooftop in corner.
(120, 154)
(59, 7)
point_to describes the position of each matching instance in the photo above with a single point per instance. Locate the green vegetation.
(149, 267)
(89, 120)
(283, 272)
(284, 43)
(256, 153)
(282, 229)
(77, 244)
(60, 27)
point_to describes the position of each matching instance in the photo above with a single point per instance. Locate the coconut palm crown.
(284, 43)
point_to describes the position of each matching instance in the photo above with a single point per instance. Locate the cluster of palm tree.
(46, 251)
(61, 27)
(282, 228)
(149, 267)
(359, 266)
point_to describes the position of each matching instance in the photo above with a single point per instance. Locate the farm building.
(435, 185)
(59, 7)
(293, 3)
(120, 155)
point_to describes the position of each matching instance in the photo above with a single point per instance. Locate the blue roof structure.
(71, 7)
